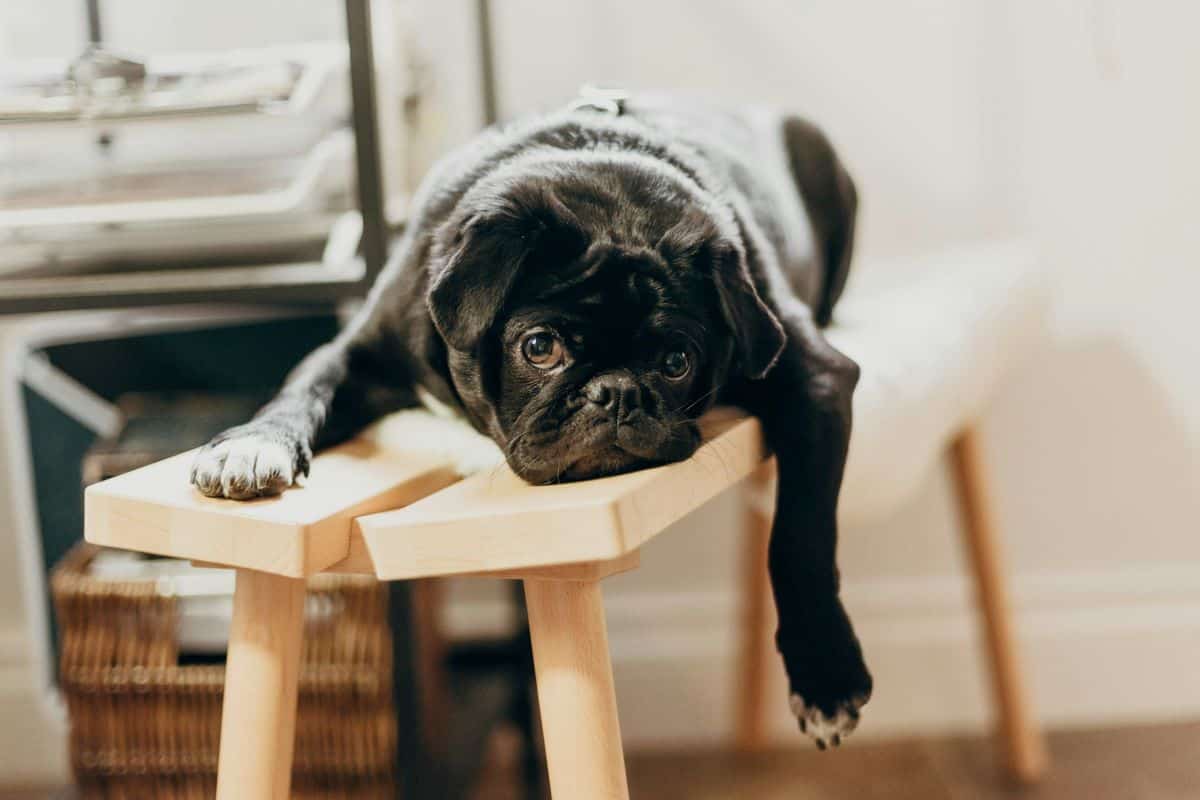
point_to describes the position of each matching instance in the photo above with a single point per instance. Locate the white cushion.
(933, 336)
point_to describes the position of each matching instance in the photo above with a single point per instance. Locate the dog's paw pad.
(827, 731)
(243, 467)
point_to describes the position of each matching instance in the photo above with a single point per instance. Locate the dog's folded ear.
(476, 278)
(697, 239)
(487, 256)
(759, 336)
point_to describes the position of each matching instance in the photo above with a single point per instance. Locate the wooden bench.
(366, 509)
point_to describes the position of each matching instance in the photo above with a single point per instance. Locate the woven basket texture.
(145, 726)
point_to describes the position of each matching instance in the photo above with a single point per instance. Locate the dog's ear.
(486, 258)
(696, 239)
(831, 202)
(758, 335)
(476, 278)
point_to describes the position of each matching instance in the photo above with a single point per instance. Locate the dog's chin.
(598, 463)
(600, 452)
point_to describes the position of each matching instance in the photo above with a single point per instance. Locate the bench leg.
(258, 717)
(575, 690)
(1026, 751)
(756, 611)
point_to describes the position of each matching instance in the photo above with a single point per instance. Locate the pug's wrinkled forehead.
(551, 222)
(612, 303)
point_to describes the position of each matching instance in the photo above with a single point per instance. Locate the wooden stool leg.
(754, 649)
(258, 718)
(1026, 751)
(575, 690)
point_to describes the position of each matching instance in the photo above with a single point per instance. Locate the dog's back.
(791, 178)
(798, 202)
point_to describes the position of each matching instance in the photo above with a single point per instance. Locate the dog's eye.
(543, 350)
(676, 364)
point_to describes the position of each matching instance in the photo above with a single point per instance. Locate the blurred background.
(164, 261)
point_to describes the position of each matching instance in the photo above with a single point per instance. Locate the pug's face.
(592, 315)
(606, 378)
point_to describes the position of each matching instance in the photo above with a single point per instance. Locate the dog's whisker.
(689, 406)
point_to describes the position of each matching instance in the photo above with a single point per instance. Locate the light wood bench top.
(399, 515)
(298, 533)
(495, 521)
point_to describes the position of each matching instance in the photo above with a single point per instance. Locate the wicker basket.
(143, 726)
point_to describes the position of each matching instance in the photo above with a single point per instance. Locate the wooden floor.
(1151, 763)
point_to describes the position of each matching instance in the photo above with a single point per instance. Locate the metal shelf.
(310, 283)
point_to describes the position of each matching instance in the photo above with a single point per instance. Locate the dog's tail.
(831, 200)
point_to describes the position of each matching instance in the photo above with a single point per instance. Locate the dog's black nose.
(615, 392)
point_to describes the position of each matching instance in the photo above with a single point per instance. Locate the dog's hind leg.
(804, 406)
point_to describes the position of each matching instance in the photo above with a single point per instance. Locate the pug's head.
(592, 308)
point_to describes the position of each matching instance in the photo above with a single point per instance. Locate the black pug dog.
(582, 287)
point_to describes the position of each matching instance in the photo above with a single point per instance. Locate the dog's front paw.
(829, 682)
(253, 460)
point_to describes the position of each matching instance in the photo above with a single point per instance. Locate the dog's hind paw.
(826, 730)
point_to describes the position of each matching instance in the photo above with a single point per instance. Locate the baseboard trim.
(1130, 636)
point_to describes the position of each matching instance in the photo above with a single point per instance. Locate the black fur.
(671, 235)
